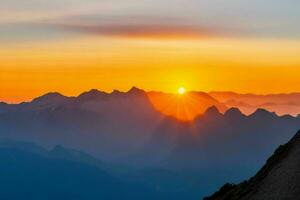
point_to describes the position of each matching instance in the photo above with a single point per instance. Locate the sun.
(181, 90)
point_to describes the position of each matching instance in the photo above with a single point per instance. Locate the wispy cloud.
(147, 26)
(141, 30)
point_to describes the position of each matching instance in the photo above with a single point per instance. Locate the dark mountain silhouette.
(124, 129)
(278, 179)
(89, 122)
(92, 95)
(51, 98)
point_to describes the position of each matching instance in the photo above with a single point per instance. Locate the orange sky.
(74, 65)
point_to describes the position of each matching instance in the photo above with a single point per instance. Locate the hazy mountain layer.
(282, 104)
(30, 171)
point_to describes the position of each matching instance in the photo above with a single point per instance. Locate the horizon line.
(149, 91)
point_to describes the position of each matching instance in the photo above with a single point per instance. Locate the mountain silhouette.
(48, 175)
(124, 128)
(62, 173)
(91, 95)
(278, 179)
(51, 98)
(84, 122)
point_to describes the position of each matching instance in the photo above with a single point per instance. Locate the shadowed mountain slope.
(278, 179)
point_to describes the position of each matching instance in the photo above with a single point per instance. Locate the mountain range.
(125, 130)
(32, 172)
(282, 104)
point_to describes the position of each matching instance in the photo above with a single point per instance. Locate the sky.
(71, 46)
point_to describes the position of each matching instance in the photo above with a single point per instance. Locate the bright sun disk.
(181, 90)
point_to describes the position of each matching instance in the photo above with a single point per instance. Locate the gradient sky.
(71, 46)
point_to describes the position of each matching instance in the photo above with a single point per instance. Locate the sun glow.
(184, 107)
(181, 90)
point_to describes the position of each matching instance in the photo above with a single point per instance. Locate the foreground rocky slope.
(278, 179)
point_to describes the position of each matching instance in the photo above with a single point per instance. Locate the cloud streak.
(138, 26)
(145, 18)
(142, 30)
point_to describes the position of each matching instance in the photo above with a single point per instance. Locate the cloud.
(137, 26)
(141, 30)
(156, 18)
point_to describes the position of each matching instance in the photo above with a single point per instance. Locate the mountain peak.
(52, 97)
(92, 94)
(135, 90)
(212, 112)
(260, 112)
(233, 112)
(116, 92)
